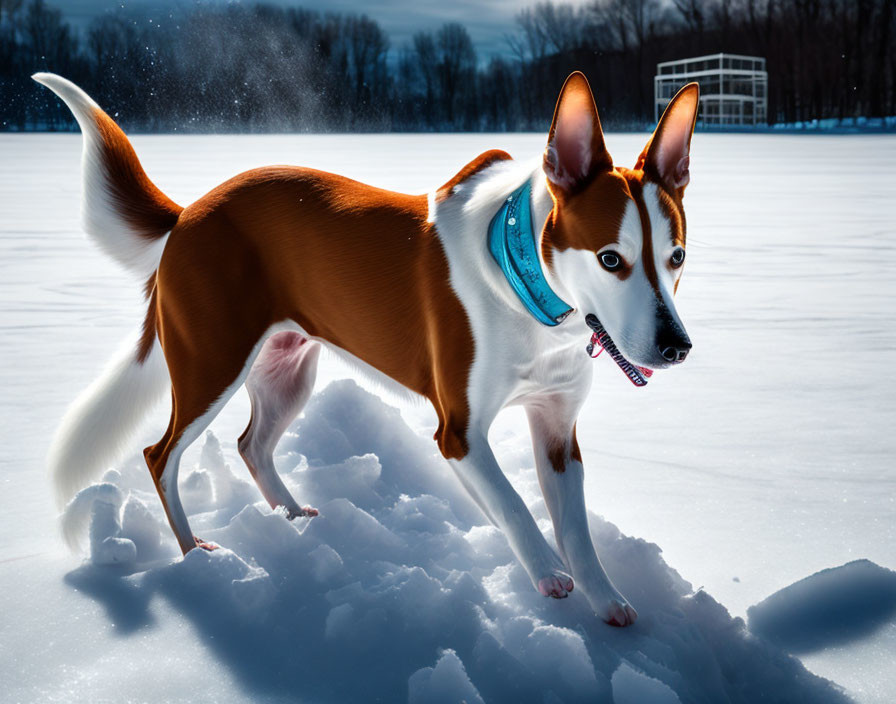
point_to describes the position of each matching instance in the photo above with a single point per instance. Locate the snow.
(833, 606)
(383, 582)
(633, 687)
(445, 683)
(845, 125)
(766, 458)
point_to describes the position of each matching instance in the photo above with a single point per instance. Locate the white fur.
(278, 396)
(480, 473)
(514, 355)
(96, 427)
(100, 219)
(626, 307)
(517, 360)
(99, 423)
(551, 418)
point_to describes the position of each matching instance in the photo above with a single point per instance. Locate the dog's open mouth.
(601, 340)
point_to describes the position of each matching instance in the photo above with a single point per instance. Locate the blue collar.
(511, 241)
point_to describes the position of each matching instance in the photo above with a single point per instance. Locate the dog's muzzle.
(672, 342)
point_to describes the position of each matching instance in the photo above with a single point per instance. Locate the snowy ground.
(764, 459)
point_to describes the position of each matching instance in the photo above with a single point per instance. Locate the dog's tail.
(129, 218)
(121, 209)
(96, 428)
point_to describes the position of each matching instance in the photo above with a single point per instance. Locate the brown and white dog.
(244, 283)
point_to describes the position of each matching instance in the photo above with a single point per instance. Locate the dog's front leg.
(561, 476)
(481, 475)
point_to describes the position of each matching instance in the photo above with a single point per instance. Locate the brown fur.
(146, 209)
(148, 332)
(561, 450)
(483, 161)
(591, 218)
(589, 207)
(587, 215)
(671, 205)
(357, 266)
(574, 101)
(354, 265)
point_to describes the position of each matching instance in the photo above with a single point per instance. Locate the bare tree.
(48, 39)
(225, 66)
(561, 26)
(532, 43)
(693, 12)
(456, 67)
(368, 46)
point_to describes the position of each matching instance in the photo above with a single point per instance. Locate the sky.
(488, 22)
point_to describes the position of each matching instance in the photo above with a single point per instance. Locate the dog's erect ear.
(576, 147)
(667, 155)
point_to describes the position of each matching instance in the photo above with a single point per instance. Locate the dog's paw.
(557, 585)
(617, 612)
(608, 604)
(303, 512)
(205, 544)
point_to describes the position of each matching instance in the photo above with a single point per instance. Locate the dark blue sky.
(487, 21)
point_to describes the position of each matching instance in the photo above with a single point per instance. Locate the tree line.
(266, 68)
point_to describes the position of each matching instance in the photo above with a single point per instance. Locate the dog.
(478, 295)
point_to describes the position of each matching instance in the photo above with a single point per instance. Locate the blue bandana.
(511, 241)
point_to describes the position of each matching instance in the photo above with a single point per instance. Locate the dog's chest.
(515, 355)
(537, 364)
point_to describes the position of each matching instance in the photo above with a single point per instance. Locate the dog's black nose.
(674, 350)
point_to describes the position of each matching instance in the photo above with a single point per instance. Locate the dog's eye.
(677, 258)
(610, 261)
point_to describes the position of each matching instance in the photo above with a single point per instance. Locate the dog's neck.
(542, 203)
(513, 242)
(541, 206)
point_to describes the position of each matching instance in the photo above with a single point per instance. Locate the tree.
(47, 44)
(456, 69)
(367, 49)
(426, 67)
(246, 66)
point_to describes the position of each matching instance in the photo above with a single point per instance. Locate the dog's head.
(615, 237)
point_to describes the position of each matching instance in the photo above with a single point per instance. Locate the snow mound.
(632, 687)
(399, 590)
(828, 608)
(446, 683)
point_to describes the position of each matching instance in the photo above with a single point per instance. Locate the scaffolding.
(733, 88)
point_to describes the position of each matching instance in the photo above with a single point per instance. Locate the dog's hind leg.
(279, 385)
(201, 384)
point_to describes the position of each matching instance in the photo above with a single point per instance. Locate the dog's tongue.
(601, 341)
